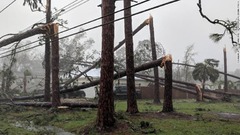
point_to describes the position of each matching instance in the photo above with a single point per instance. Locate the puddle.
(31, 127)
(229, 115)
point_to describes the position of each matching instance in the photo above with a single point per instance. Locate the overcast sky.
(176, 26)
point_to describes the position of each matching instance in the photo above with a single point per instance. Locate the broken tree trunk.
(55, 66)
(23, 35)
(93, 83)
(154, 57)
(167, 101)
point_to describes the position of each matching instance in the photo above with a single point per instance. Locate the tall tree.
(47, 55)
(55, 66)
(105, 113)
(131, 91)
(206, 71)
(154, 57)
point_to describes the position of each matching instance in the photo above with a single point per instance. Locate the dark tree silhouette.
(105, 117)
(131, 91)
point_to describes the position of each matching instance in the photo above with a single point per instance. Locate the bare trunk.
(225, 71)
(154, 57)
(167, 102)
(25, 84)
(47, 56)
(93, 83)
(105, 116)
(131, 91)
(55, 66)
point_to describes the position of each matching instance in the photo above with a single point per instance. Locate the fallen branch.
(93, 83)
(21, 36)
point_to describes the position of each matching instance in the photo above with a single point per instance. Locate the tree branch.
(229, 26)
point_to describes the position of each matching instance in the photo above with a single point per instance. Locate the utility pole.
(47, 55)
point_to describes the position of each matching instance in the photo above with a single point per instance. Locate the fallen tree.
(23, 35)
(220, 72)
(93, 83)
(191, 85)
(49, 104)
(183, 89)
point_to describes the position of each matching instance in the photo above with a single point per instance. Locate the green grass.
(204, 119)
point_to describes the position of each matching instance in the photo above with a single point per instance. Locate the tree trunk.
(105, 116)
(154, 57)
(167, 102)
(132, 107)
(225, 70)
(55, 66)
(47, 56)
(24, 84)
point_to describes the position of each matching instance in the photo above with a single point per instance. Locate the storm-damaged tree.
(35, 5)
(143, 54)
(167, 101)
(154, 57)
(75, 53)
(206, 71)
(105, 115)
(131, 91)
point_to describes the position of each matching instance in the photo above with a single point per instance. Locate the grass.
(190, 118)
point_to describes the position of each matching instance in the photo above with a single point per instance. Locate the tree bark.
(132, 107)
(55, 66)
(47, 56)
(105, 113)
(167, 102)
(184, 89)
(154, 57)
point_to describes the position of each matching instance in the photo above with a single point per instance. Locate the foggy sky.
(176, 26)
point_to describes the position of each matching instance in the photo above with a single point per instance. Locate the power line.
(70, 5)
(84, 23)
(94, 27)
(59, 10)
(7, 6)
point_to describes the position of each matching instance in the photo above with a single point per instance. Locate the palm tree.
(206, 71)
